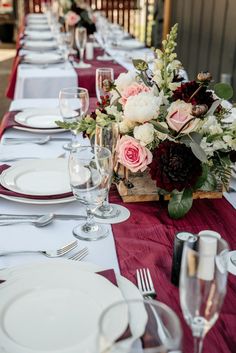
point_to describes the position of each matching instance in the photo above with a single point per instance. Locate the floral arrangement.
(183, 133)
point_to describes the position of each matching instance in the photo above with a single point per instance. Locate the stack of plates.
(38, 27)
(37, 35)
(40, 45)
(54, 307)
(38, 120)
(41, 181)
(129, 45)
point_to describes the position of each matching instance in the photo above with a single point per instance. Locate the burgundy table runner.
(86, 77)
(146, 240)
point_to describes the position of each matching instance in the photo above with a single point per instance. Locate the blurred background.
(206, 40)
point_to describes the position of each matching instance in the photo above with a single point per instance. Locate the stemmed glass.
(102, 74)
(139, 326)
(81, 40)
(203, 283)
(73, 103)
(90, 170)
(107, 136)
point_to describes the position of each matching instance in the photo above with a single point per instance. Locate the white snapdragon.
(211, 126)
(144, 133)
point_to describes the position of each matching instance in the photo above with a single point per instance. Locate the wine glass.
(107, 136)
(81, 40)
(203, 281)
(139, 326)
(90, 169)
(102, 74)
(74, 103)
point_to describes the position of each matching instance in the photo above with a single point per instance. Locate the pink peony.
(133, 90)
(179, 113)
(132, 155)
(72, 18)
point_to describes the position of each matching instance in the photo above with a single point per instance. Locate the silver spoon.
(40, 222)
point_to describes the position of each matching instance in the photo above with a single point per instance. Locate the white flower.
(175, 64)
(124, 80)
(126, 126)
(211, 126)
(112, 110)
(231, 142)
(142, 107)
(144, 133)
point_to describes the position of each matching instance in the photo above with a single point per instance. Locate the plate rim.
(30, 111)
(30, 164)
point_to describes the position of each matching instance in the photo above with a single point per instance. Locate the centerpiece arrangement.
(181, 136)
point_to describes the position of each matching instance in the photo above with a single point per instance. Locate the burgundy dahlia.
(187, 90)
(174, 166)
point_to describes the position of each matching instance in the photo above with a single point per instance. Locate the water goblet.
(203, 281)
(90, 168)
(102, 74)
(139, 326)
(81, 40)
(73, 103)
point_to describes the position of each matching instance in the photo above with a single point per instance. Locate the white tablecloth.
(58, 233)
(36, 82)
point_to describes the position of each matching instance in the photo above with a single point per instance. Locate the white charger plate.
(40, 45)
(37, 177)
(39, 118)
(38, 201)
(40, 131)
(129, 45)
(45, 309)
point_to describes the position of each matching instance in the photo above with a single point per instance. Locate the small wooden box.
(144, 188)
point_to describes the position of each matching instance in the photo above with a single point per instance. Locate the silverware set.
(37, 141)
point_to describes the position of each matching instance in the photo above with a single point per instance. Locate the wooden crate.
(144, 188)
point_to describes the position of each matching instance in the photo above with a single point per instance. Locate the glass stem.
(75, 140)
(81, 55)
(90, 225)
(198, 343)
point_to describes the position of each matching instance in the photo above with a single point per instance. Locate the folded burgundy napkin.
(110, 275)
(8, 121)
(7, 192)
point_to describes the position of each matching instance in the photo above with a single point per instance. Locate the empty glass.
(203, 283)
(90, 170)
(101, 75)
(81, 40)
(139, 326)
(73, 103)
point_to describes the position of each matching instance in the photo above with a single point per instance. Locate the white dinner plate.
(40, 45)
(37, 35)
(129, 45)
(54, 307)
(43, 58)
(37, 177)
(38, 27)
(39, 118)
(49, 201)
(36, 16)
(40, 131)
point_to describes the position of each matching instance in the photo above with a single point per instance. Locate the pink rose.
(132, 155)
(133, 90)
(72, 18)
(179, 113)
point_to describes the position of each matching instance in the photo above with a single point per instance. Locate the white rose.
(142, 107)
(144, 133)
(125, 80)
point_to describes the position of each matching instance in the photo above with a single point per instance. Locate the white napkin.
(30, 150)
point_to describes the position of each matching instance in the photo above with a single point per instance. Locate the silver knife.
(7, 216)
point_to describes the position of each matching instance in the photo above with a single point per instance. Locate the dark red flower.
(174, 166)
(186, 91)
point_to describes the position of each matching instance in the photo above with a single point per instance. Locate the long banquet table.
(144, 240)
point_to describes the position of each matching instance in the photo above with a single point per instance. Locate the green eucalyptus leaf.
(202, 179)
(180, 203)
(198, 152)
(159, 127)
(140, 65)
(209, 184)
(223, 90)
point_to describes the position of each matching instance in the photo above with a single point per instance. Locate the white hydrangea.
(144, 133)
(142, 107)
(211, 126)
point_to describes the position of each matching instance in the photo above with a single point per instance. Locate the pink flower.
(133, 90)
(72, 18)
(132, 155)
(179, 113)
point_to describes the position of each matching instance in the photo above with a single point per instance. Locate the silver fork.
(49, 253)
(79, 255)
(145, 284)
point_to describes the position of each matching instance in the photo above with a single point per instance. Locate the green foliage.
(140, 65)
(223, 90)
(180, 203)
